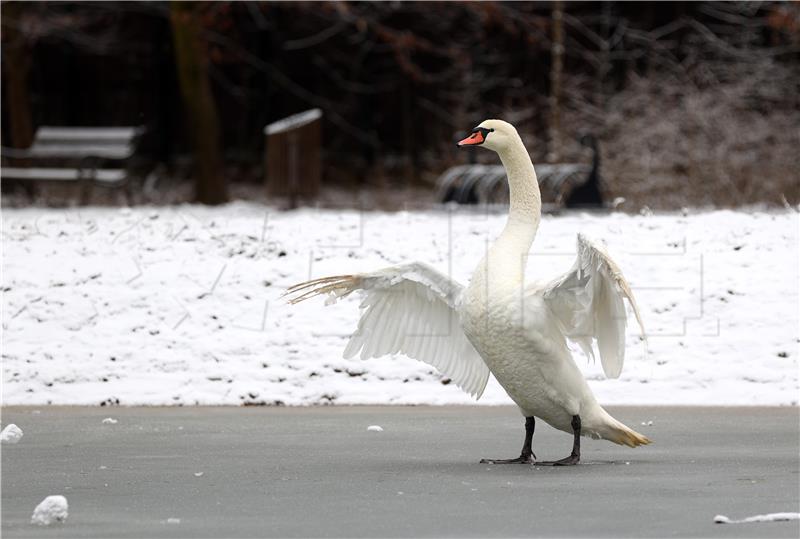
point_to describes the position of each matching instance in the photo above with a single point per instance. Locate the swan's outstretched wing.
(588, 301)
(407, 309)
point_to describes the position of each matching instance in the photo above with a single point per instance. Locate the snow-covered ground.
(181, 305)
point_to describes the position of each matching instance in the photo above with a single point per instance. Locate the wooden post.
(293, 173)
(191, 58)
(293, 155)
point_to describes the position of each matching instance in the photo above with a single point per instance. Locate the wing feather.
(408, 309)
(588, 301)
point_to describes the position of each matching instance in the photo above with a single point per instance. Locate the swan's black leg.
(575, 456)
(527, 456)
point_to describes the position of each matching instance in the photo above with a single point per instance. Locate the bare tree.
(16, 67)
(556, 67)
(192, 59)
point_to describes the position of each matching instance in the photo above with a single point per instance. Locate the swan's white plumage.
(410, 310)
(588, 302)
(497, 324)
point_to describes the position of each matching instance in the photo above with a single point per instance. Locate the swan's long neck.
(525, 211)
(500, 276)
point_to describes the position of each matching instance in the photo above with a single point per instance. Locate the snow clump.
(52, 509)
(11, 434)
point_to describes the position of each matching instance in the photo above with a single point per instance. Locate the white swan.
(500, 324)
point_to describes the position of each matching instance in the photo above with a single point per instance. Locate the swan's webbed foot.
(574, 457)
(522, 459)
(527, 456)
(567, 461)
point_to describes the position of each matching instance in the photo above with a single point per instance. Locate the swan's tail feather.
(339, 285)
(615, 431)
(626, 436)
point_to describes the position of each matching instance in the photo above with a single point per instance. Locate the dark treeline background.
(693, 103)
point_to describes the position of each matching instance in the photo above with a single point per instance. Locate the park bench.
(87, 155)
(487, 184)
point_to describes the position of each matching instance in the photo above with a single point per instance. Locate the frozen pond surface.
(311, 472)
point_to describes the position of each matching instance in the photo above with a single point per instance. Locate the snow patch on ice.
(770, 517)
(53, 509)
(110, 421)
(12, 434)
(375, 428)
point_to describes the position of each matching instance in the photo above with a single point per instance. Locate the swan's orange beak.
(475, 138)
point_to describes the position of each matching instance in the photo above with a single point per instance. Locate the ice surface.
(53, 509)
(375, 428)
(11, 434)
(180, 305)
(771, 517)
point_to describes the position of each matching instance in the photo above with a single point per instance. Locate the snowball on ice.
(173, 521)
(375, 428)
(11, 434)
(771, 517)
(110, 421)
(52, 509)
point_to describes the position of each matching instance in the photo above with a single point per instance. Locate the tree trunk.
(409, 143)
(604, 66)
(16, 66)
(191, 59)
(556, 67)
